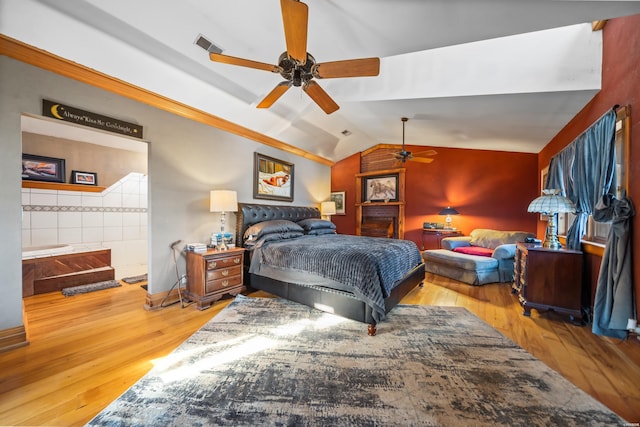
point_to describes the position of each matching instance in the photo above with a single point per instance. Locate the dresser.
(548, 279)
(212, 274)
(432, 237)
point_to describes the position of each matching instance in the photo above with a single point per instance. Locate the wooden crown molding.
(42, 59)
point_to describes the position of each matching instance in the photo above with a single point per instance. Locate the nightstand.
(212, 274)
(432, 237)
(549, 279)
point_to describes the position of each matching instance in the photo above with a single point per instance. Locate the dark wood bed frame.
(337, 302)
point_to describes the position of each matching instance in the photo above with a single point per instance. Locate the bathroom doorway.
(109, 213)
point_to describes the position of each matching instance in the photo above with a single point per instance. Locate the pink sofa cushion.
(474, 250)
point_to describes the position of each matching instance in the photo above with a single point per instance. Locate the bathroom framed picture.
(42, 168)
(84, 178)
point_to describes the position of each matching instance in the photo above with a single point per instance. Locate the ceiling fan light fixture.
(296, 65)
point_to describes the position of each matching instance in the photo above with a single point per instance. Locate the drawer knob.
(213, 264)
(225, 283)
(236, 260)
(225, 272)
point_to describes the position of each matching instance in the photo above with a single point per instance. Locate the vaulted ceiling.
(480, 74)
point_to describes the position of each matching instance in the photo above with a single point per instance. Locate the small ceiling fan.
(404, 155)
(298, 67)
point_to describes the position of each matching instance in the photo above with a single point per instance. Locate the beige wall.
(111, 164)
(186, 160)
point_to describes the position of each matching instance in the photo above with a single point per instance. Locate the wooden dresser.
(548, 279)
(212, 274)
(432, 237)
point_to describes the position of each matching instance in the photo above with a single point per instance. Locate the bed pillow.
(321, 232)
(474, 250)
(271, 237)
(310, 224)
(256, 231)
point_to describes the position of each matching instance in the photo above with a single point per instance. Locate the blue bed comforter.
(369, 267)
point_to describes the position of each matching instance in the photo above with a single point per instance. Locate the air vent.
(207, 45)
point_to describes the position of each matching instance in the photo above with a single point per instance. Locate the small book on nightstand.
(196, 247)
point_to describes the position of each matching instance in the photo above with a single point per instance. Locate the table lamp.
(448, 211)
(327, 209)
(223, 201)
(551, 203)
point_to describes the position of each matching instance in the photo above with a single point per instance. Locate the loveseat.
(485, 256)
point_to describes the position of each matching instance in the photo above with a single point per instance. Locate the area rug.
(83, 289)
(264, 361)
(135, 279)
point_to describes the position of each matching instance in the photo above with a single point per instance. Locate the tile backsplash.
(115, 218)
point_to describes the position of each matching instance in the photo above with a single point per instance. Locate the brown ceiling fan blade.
(347, 68)
(232, 60)
(273, 96)
(421, 159)
(295, 17)
(426, 153)
(320, 97)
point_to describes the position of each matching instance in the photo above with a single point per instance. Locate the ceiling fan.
(298, 67)
(404, 155)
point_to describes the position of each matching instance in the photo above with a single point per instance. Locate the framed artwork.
(381, 188)
(272, 178)
(41, 168)
(338, 198)
(84, 178)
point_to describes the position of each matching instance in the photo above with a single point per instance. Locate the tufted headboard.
(249, 214)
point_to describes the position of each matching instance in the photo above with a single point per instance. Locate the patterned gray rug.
(272, 362)
(83, 289)
(135, 279)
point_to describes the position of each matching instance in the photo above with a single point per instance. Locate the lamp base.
(447, 222)
(551, 238)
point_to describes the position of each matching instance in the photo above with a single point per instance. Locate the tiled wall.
(115, 218)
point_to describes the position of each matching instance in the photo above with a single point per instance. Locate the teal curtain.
(614, 301)
(585, 172)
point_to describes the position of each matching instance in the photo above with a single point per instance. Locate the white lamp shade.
(224, 201)
(328, 208)
(551, 202)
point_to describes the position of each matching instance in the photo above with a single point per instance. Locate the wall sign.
(87, 118)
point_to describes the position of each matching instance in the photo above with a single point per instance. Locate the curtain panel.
(585, 172)
(614, 302)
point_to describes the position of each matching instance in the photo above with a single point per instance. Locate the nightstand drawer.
(223, 273)
(218, 284)
(217, 263)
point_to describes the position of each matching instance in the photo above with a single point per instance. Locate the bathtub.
(45, 251)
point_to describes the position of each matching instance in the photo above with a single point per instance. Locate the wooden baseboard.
(13, 338)
(160, 300)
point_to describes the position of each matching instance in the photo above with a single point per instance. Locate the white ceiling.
(484, 74)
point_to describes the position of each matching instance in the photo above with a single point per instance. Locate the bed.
(295, 255)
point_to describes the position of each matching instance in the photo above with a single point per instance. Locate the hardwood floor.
(88, 349)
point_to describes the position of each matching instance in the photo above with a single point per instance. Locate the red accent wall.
(343, 178)
(620, 85)
(490, 189)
